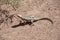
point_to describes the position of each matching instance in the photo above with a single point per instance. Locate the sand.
(42, 30)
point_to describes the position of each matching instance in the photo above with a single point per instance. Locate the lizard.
(30, 20)
(33, 19)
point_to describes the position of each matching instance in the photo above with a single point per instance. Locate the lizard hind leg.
(31, 24)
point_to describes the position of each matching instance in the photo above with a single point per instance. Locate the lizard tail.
(45, 19)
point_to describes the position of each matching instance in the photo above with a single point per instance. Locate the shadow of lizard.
(30, 23)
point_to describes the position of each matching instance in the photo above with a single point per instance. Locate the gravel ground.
(42, 30)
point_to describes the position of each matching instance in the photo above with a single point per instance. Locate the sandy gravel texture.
(42, 30)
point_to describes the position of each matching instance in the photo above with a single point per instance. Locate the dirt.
(42, 30)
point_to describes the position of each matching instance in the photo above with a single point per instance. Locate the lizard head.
(19, 15)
